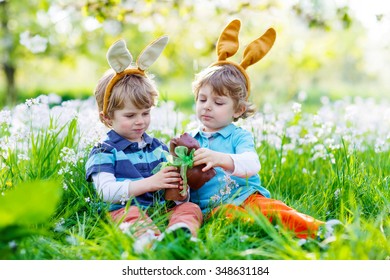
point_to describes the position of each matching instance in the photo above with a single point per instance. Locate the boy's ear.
(105, 119)
(239, 111)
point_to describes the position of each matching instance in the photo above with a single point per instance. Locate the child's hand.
(166, 178)
(213, 159)
(183, 195)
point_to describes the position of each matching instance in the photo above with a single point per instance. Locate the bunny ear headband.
(120, 58)
(228, 45)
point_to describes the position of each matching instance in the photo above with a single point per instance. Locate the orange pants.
(302, 225)
(187, 212)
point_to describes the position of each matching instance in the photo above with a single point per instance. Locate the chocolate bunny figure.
(196, 178)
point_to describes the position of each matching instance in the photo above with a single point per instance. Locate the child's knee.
(194, 208)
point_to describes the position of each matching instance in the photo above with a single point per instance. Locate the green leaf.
(29, 203)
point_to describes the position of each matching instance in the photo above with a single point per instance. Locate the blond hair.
(225, 80)
(141, 91)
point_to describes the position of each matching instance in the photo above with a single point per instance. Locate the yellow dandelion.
(8, 184)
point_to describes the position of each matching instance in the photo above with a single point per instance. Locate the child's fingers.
(173, 174)
(180, 185)
(199, 160)
(170, 186)
(198, 152)
(172, 180)
(170, 169)
(208, 166)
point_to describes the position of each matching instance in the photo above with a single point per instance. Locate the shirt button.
(140, 156)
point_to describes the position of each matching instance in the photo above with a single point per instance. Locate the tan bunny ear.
(118, 56)
(258, 48)
(227, 44)
(150, 54)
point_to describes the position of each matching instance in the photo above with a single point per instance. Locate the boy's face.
(130, 122)
(215, 112)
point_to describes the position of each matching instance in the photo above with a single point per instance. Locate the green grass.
(353, 189)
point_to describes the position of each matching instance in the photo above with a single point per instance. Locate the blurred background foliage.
(322, 47)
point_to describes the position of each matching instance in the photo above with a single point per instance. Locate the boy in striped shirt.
(121, 167)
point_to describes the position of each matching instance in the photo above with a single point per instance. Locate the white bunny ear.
(118, 56)
(151, 52)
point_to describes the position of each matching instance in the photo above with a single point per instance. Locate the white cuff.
(109, 189)
(246, 164)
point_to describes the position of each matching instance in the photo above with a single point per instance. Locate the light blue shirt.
(224, 187)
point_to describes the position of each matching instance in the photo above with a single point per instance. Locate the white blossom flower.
(302, 95)
(243, 238)
(32, 101)
(5, 117)
(24, 157)
(51, 98)
(337, 193)
(124, 227)
(72, 240)
(125, 255)
(69, 156)
(36, 43)
(296, 107)
(225, 190)
(59, 226)
(124, 198)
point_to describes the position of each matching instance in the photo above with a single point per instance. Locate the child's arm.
(108, 188)
(213, 159)
(166, 178)
(243, 165)
(244, 162)
(114, 191)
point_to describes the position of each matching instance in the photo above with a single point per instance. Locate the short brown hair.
(140, 90)
(225, 80)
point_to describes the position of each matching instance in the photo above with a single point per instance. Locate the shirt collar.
(225, 132)
(121, 143)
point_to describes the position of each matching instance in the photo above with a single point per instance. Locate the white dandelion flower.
(215, 198)
(296, 107)
(337, 193)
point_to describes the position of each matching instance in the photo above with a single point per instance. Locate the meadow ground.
(331, 164)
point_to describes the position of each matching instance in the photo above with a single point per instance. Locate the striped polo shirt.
(125, 160)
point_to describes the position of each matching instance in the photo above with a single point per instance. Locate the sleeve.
(109, 189)
(99, 161)
(245, 158)
(246, 164)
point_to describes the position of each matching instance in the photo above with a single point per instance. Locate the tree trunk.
(10, 93)
(8, 65)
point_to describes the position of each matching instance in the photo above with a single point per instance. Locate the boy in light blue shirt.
(221, 94)
(239, 144)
